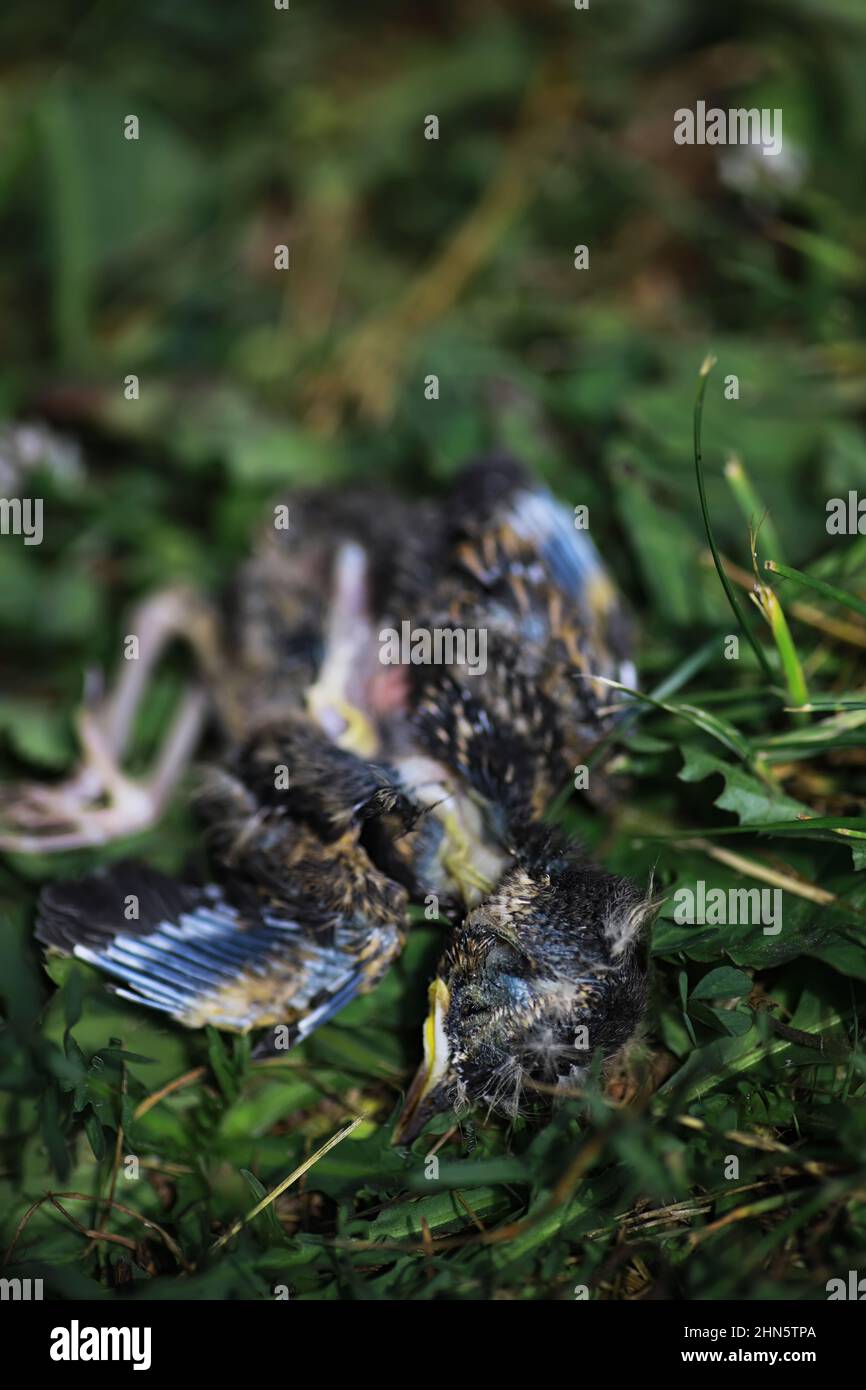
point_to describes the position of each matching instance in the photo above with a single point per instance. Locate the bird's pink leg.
(100, 802)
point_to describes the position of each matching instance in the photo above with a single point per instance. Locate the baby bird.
(538, 977)
(401, 689)
(546, 968)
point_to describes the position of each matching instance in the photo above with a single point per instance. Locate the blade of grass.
(837, 731)
(818, 827)
(750, 504)
(681, 676)
(684, 672)
(735, 1055)
(842, 702)
(753, 868)
(286, 1182)
(852, 633)
(737, 611)
(827, 590)
(710, 724)
(767, 603)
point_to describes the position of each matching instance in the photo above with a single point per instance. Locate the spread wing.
(193, 954)
(298, 921)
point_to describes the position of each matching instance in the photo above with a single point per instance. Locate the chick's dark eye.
(503, 959)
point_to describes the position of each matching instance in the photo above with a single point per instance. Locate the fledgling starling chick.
(306, 837)
(544, 973)
(547, 968)
(351, 781)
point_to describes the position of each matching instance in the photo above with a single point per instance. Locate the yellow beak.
(434, 1068)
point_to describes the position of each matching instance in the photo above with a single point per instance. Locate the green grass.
(453, 257)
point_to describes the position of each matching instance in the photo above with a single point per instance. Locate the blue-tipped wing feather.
(195, 956)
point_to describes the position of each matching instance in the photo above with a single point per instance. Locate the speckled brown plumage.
(345, 787)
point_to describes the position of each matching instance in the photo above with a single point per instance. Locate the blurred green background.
(454, 257)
